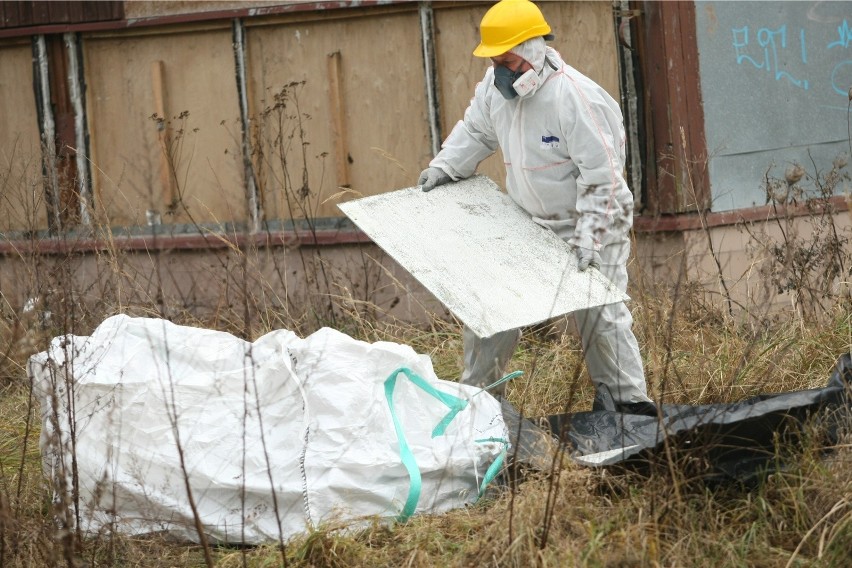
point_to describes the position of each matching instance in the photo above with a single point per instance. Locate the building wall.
(309, 286)
(299, 287)
(337, 105)
(336, 102)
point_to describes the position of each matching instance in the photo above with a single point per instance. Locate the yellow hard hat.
(507, 24)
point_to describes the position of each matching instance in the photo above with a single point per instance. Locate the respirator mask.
(512, 84)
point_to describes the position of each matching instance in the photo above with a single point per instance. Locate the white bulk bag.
(340, 428)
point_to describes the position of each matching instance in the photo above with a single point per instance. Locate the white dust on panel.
(480, 255)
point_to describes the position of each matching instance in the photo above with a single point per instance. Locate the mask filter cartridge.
(514, 83)
(526, 83)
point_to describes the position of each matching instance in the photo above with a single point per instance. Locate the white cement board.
(481, 255)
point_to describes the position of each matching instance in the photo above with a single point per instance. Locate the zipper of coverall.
(530, 188)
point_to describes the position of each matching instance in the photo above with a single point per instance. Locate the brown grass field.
(574, 516)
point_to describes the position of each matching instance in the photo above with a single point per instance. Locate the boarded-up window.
(336, 102)
(22, 204)
(164, 125)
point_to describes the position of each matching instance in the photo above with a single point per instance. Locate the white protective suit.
(564, 151)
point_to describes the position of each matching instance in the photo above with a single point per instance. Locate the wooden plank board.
(22, 205)
(382, 139)
(337, 122)
(199, 93)
(41, 12)
(158, 87)
(60, 12)
(482, 256)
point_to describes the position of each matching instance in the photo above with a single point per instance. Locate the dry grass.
(578, 517)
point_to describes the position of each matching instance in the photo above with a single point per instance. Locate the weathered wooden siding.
(352, 90)
(15, 14)
(22, 206)
(201, 150)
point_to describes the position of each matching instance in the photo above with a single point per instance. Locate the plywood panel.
(383, 121)
(22, 205)
(199, 101)
(481, 255)
(584, 37)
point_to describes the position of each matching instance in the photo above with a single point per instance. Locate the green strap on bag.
(456, 405)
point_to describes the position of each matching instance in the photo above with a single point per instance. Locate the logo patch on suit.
(549, 142)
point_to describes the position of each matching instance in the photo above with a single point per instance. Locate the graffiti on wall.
(773, 50)
(775, 80)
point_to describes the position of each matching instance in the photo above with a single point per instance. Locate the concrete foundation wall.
(299, 287)
(754, 269)
(310, 286)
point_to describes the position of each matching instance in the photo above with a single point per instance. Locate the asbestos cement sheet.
(482, 256)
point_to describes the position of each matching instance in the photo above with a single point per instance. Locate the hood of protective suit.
(533, 52)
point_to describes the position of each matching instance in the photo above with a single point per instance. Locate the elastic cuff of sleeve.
(447, 169)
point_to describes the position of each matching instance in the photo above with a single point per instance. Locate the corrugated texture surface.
(480, 255)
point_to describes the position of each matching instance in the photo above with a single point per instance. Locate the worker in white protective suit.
(562, 138)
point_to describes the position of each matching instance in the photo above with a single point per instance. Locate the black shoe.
(643, 408)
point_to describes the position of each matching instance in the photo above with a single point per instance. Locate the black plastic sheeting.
(735, 441)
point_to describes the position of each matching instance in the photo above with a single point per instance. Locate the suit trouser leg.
(611, 350)
(485, 358)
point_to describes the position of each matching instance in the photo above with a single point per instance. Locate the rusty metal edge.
(327, 237)
(209, 241)
(693, 221)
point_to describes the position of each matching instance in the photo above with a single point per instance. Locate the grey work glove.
(430, 178)
(584, 248)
